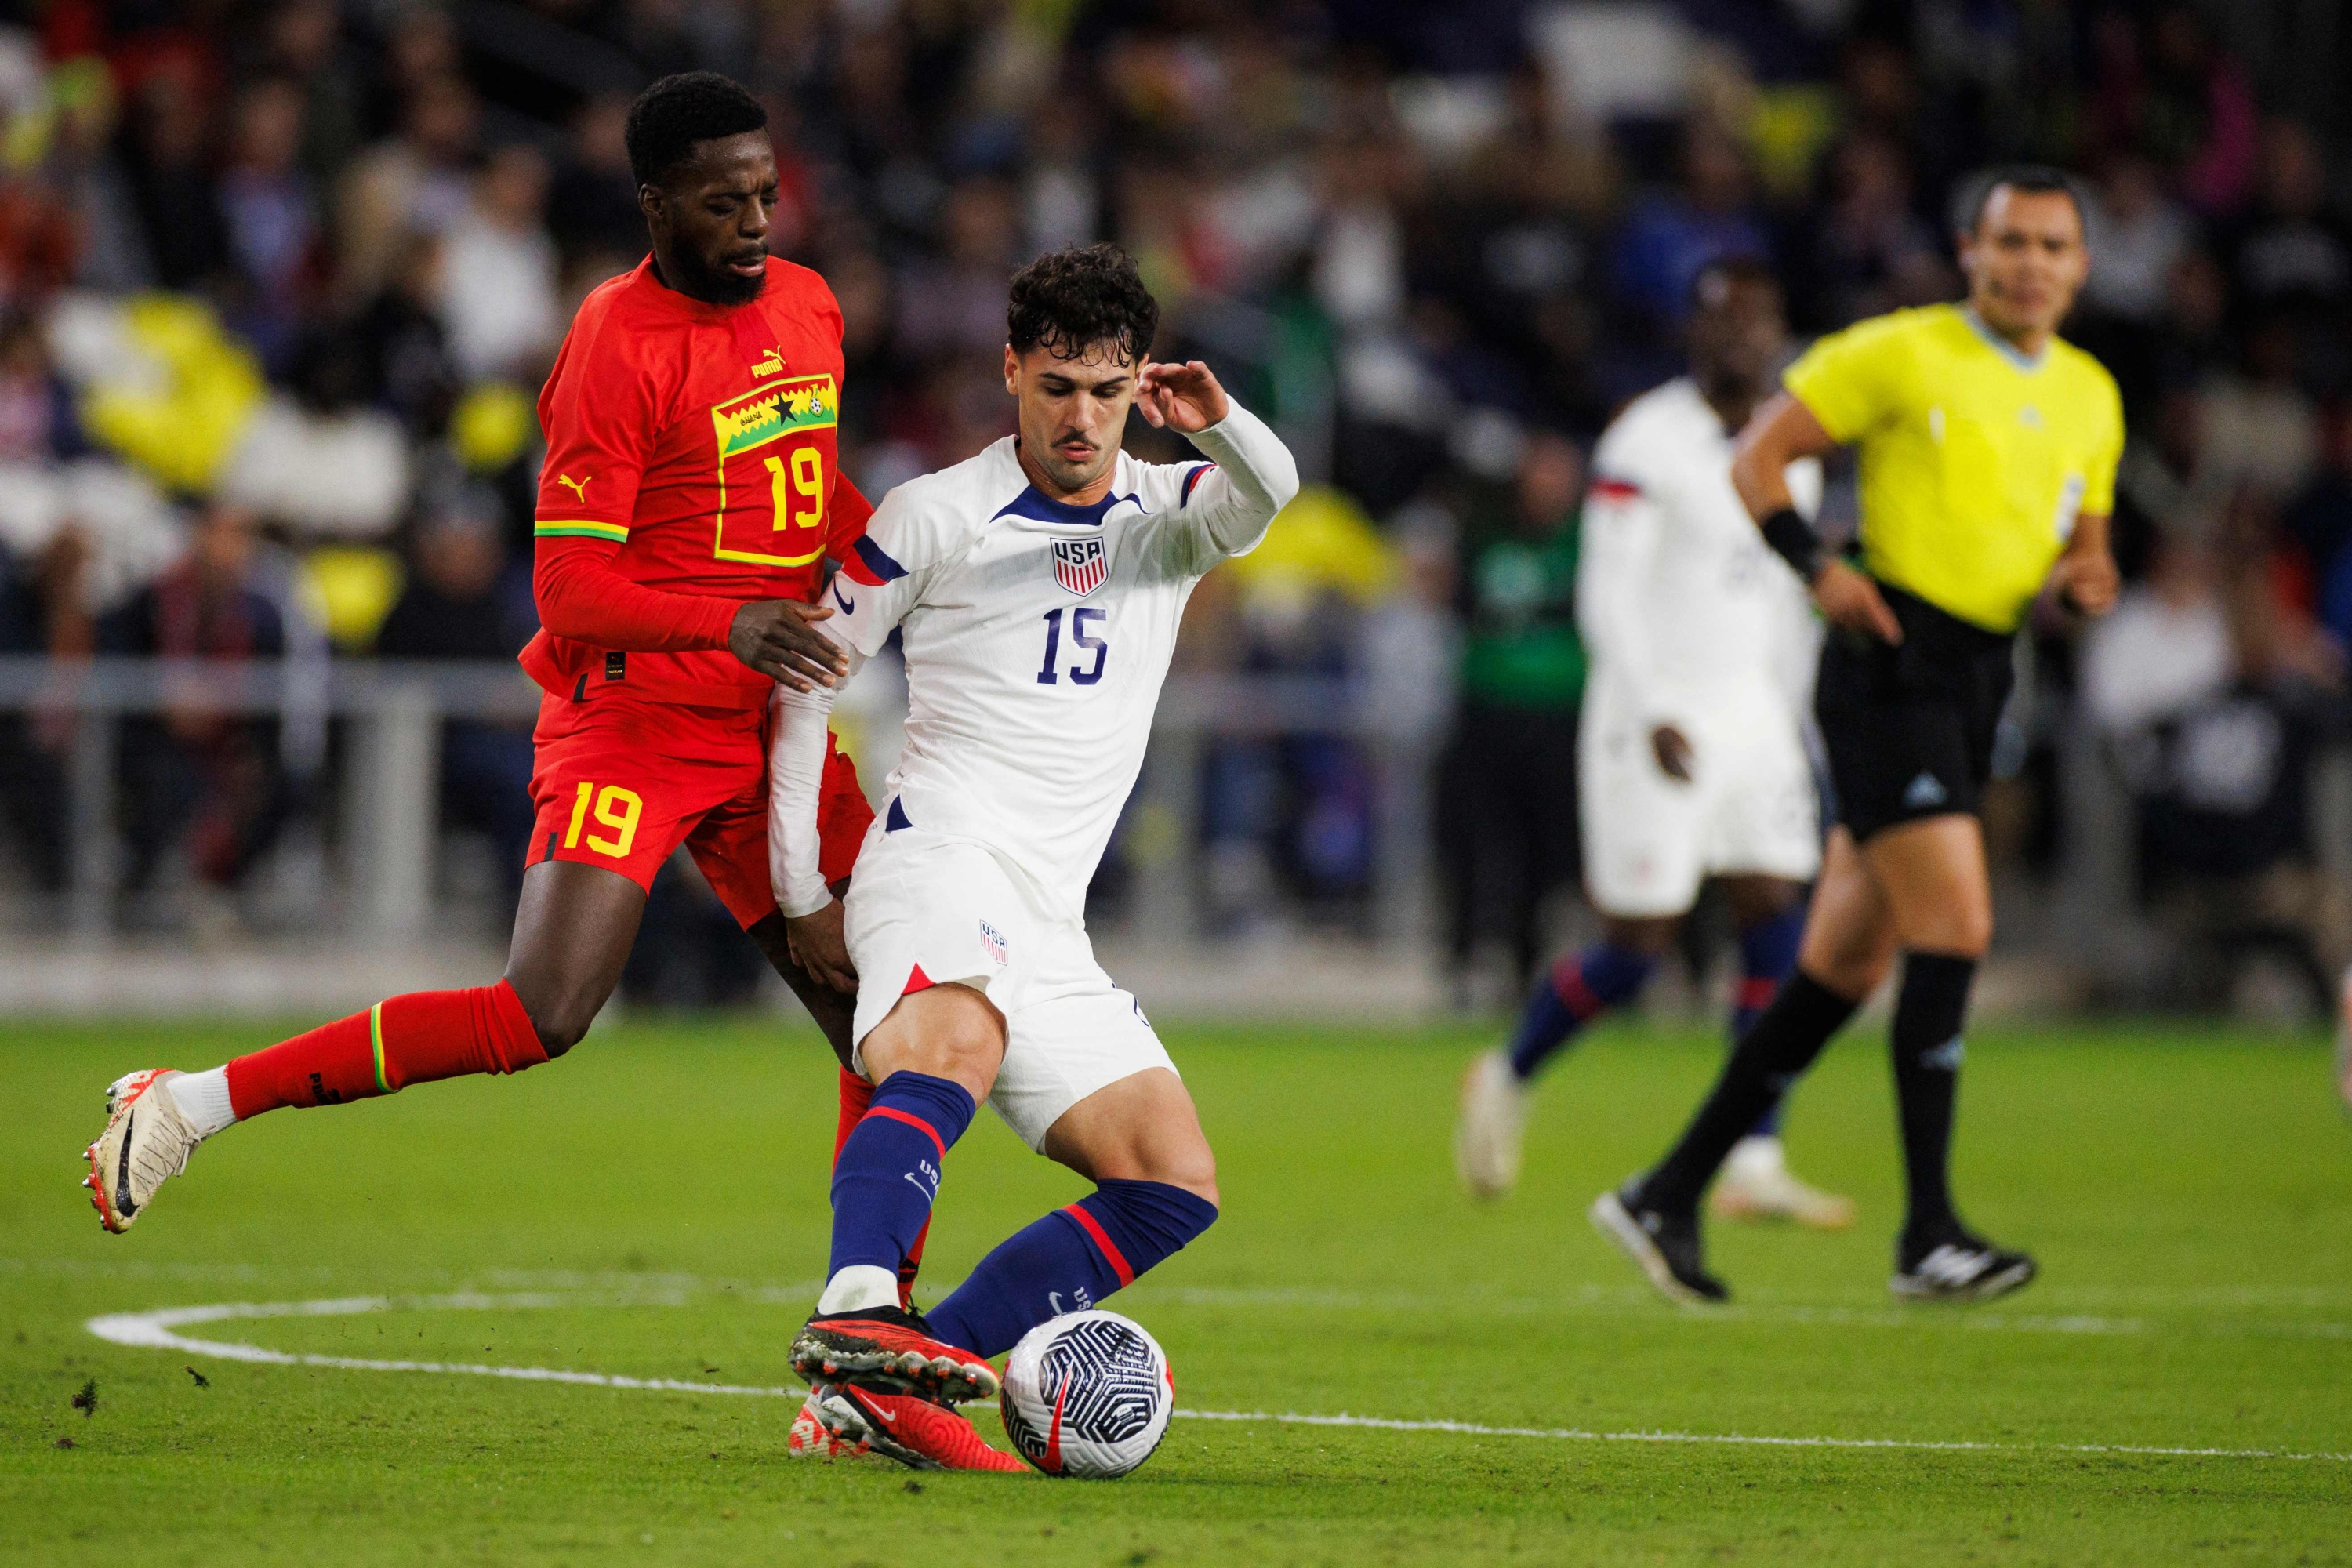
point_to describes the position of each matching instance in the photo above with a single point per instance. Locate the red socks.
(857, 1094)
(415, 1038)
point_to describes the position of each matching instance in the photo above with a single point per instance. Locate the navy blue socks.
(1576, 992)
(888, 1173)
(1068, 1261)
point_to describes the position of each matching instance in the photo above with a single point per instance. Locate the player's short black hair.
(669, 117)
(1067, 300)
(1727, 270)
(2034, 179)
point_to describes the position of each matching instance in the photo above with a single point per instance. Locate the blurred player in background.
(1691, 756)
(1038, 588)
(685, 506)
(1988, 457)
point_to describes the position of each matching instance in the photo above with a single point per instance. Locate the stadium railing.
(388, 772)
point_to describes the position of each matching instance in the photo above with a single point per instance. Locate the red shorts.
(620, 782)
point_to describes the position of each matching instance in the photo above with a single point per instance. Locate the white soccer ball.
(1088, 1395)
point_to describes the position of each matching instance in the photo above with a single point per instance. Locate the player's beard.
(715, 285)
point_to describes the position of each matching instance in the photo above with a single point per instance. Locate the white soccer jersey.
(1690, 621)
(1036, 636)
(1678, 599)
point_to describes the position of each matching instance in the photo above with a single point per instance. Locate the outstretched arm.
(1229, 507)
(1780, 433)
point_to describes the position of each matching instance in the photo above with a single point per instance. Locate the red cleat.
(913, 1431)
(890, 1351)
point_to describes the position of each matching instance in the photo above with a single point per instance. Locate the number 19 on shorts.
(616, 808)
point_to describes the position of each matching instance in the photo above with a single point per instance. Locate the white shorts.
(1750, 807)
(924, 907)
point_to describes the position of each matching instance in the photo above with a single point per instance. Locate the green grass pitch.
(654, 1207)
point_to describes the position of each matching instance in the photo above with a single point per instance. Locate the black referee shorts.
(1909, 728)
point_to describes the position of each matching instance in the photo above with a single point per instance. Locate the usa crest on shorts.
(1080, 564)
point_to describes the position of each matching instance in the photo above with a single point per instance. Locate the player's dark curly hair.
(1067, 300)
(678, 111)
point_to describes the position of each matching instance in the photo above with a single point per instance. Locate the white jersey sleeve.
(1622, 529)
(1220, 509)
(909, 539)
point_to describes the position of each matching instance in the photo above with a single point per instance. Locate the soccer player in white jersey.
(1690, 753)
(1037, 588)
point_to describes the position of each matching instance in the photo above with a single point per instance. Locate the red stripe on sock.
(1756, 992)
(895, 1115)
(1111, 1254)
(1567, 983)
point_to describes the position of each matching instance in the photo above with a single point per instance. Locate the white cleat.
(1488, 1138)
(1755, 1184)
(813, 1435)
(146, 1143)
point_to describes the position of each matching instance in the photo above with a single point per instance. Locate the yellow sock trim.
(375, 1043)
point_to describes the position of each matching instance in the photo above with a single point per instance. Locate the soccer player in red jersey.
(687, 505)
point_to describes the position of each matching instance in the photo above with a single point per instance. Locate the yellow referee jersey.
(1975, 461)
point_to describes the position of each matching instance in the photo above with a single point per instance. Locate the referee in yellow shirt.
(1987, 450)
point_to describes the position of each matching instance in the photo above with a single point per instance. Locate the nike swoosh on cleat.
(122, 1203)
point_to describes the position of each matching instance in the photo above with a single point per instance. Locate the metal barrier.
(394, 712)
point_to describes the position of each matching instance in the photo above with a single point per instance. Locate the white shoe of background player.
(1755, 1184)
(1493, 1121)
(147, 1141)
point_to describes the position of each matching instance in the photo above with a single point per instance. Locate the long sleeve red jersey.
(691, 467)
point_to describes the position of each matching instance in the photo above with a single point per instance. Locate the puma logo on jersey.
(770, 363)
(579, 487)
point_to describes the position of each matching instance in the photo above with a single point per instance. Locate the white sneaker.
(1755, 1184)
(146, 1143)
(1493, 1119)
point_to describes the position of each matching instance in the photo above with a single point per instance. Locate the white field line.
(1592, 1300)
(154, 1330)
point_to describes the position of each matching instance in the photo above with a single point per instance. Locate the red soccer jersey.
(699, 440)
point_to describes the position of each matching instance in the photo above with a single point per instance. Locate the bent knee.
(1963, 932)
(1200, 1181)
(561, 1023)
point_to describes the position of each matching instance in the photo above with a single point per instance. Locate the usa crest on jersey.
(1080, 564)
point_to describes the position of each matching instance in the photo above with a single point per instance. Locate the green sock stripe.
(375, 1043)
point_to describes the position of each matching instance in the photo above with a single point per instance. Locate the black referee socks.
(1770, 1058)
(1928, 1051)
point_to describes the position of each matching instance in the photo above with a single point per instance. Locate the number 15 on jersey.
(1082, 621)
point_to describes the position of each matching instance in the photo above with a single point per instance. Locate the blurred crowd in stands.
(280, 279)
